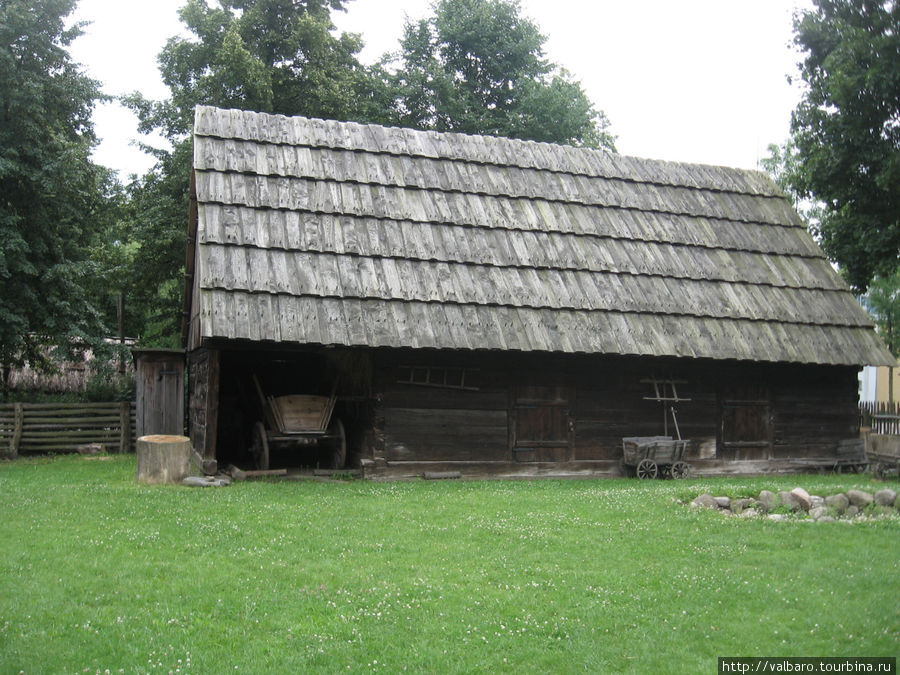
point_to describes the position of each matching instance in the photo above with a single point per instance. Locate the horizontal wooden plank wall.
(438, 423)
(62, 427)
(809, 409)
(813, 407)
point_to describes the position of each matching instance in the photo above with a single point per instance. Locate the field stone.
(205, 481)
(749, 513)
(818, 512)
(816, 500)
(859, 498)
(723, 502)
(236, 473)
(738, 505)
(776, 516)
(851, 511)
(886, 497)
(825, 519)
(706, 501)
(838, 502)
(768, 500)
(790, 500)
(802, 498)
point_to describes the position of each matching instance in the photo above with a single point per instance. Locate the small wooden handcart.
(655, 456)
(851, 457)
(298, 421)
(885, 462)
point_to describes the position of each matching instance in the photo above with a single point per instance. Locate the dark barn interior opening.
(247, 377)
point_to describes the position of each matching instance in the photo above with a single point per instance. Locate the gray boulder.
(818, 512)
(802, 498)
(749, 513)
(851, 511)
(816, 500)
(776, 516)
(704, 501)
(738, 505)
(838, 502)
(790, 500)
(205, 481)
(768, 500)
(886, 497)
(723, 502)
(859, 498)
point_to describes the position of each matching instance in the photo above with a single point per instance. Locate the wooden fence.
(881, 418)
(63, 427)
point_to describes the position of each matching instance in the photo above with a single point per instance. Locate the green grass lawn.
(98, 573)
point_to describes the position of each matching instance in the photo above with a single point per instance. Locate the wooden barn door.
(746, 422)
(541, 425)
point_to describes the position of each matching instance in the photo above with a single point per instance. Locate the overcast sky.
(685, 80)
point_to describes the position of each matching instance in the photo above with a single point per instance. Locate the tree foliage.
(846, 131)
(277, 56)
(52, 197)
(883, 302)
(477, 66)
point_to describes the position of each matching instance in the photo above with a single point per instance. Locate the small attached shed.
(494, 306)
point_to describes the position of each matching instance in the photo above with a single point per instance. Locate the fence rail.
(882, 418)
(63, 427)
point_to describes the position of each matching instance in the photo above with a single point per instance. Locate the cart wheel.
(680, 470)
(339, 449)
(647, 468)
(880, 470)
(260, 447)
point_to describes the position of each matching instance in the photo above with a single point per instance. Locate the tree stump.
(163, 459)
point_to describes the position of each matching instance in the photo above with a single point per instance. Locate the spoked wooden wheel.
(647, 468)
(680, 470)
(260, 446)
(339, 445)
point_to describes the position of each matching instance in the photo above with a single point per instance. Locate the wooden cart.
(884, 464)
(301, 422)
(851, 457)
(655, 457)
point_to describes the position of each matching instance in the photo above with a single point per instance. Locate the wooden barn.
(498, 307)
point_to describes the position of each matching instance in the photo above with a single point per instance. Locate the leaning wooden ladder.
(669, 401)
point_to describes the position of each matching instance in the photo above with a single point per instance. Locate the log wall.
(734, 412)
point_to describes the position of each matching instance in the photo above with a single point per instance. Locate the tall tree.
(51, 194)
(477, 66)
(883, 302)
(278, 56)
(846, 131)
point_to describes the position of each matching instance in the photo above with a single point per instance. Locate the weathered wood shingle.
(320, 232)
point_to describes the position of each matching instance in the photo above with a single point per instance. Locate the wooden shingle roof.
(320, 232)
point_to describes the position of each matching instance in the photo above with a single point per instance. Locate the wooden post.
(163, 459)
(125, 431)
(18, 421)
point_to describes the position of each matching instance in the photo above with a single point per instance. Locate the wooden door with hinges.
(542, 427)
(745, 431)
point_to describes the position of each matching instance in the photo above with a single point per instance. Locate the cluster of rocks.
(799, 503)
